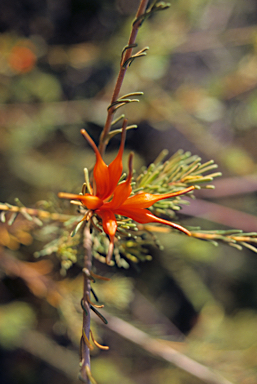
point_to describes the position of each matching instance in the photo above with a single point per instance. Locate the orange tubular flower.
(110, 198)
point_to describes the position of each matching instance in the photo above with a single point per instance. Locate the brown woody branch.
(123, 68)
(85, 349)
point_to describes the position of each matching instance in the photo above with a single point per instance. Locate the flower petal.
(146, 200)
(115, 168)
(123, 190)
(109, 221)
(109, 227)
(101, 172)
(144, 216)
(90, 201)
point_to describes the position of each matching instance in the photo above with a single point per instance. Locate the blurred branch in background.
(221, 215)
(160, 348)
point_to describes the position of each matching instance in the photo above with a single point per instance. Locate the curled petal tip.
(115, 168)
(130, 162)
(90, 141)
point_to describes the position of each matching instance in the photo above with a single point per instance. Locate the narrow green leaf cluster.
(234, 237)
(134, 240)
(178, 172)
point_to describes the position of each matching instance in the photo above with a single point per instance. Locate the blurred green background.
(58, 61)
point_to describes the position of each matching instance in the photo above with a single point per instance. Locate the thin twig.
(123, 68)
(85, 351)
(35, 212)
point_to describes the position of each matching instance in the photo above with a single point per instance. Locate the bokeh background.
(58, 61)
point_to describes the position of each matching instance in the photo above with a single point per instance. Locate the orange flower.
(22, 59)
(110, 198)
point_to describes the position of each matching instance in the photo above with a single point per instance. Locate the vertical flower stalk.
(123, 68)
(85, 351)
(85, 373)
